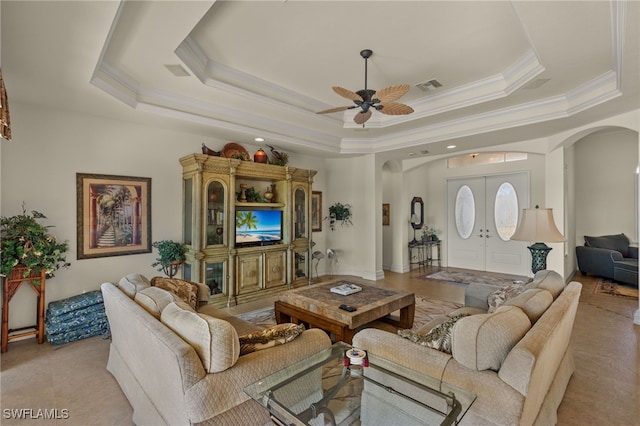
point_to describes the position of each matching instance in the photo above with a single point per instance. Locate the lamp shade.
(537, 225)
(414, 218)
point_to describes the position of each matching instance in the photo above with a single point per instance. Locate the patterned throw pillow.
(439, 337)
(272, 336)
(185, 290)
(498, 297)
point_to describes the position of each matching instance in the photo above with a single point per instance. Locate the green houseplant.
(26, 242)
(171, 256)
(339, 212)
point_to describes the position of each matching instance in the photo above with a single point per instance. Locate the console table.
(425, 252)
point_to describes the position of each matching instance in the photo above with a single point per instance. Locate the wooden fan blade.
(347, 93)
(392, 93)
(330, 110)
(362, 117)
(394, 108)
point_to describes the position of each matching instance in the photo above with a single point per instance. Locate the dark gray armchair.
(609, 256)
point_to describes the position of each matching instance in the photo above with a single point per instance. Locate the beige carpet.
(607, 287)
(426, 310)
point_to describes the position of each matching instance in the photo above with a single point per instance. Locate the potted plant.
(24, 242)
(429, 234)
(339, 212)
(171, 256)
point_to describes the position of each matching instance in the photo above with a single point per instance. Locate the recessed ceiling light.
(424, 152)
(450, 146)
(259, 139)
(412, 154)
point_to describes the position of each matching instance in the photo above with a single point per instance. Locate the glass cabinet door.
(301, 265)
(214, 277)
(299, 213)
(187, 211)
(215, 213)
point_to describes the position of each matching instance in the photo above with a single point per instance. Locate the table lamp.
(537, 225)
(414, 222)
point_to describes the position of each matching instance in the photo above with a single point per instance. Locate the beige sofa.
(516, 360)
(193, 375)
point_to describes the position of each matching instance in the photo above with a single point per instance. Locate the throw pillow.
(272, 336)
(214, 340)
(482, 342)
(547, 280)
(533, 302)
(498, 297)
(618, 242)
(185, 290)
(154, 300)
(133, 283)
(438, 338)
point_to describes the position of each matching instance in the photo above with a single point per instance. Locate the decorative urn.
(260, 156)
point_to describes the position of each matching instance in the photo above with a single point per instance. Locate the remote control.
(347, 308)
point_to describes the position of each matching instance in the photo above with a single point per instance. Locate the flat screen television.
(258, 227)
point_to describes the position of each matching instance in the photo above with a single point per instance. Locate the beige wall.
(605, 185)
(50, 147)
(39, 168)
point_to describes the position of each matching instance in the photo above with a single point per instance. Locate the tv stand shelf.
(238, 274)
(261, 205)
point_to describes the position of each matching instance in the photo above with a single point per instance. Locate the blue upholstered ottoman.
(76, 318)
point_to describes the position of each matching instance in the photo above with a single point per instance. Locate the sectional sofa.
(517, 360)
(182, 366)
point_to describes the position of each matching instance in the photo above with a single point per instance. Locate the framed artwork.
(113, 215)
(316, 211)
(386, 212)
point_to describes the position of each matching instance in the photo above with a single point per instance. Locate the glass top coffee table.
(328, 389)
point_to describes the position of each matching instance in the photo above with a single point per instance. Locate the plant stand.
(11, 284)
(171, 269)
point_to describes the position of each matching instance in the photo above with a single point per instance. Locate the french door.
(482, 214)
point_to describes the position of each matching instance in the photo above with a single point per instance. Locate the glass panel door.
(214, 277)
(215, 214)
(188, 211)
(300, 213)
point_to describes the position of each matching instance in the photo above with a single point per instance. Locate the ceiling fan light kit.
(368, 99)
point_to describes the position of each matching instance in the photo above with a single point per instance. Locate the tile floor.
(605, 389)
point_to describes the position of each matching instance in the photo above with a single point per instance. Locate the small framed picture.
(386, 212)
(316, 211)
(113, 215)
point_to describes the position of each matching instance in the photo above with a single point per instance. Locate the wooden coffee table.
(317, 307)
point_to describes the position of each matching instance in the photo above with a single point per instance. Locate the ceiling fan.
(368, 99)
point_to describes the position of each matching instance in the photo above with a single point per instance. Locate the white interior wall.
(430, 180)
(39, 168)
(605, 174)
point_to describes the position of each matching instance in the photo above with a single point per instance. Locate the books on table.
(346, 288)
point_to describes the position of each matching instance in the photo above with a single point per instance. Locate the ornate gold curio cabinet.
(215, 190)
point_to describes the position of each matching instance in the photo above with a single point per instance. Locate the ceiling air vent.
(429, 85)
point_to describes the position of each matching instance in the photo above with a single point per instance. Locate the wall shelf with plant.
(339, 212)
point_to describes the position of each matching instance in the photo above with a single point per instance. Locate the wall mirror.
(417, 211)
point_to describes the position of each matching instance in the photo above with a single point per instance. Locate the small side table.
(11, 284)
(425, 252)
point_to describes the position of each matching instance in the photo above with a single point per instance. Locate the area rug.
(607, 287)
(426, 310)
(465, 278)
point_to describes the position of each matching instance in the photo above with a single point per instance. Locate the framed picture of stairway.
(113, 215)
